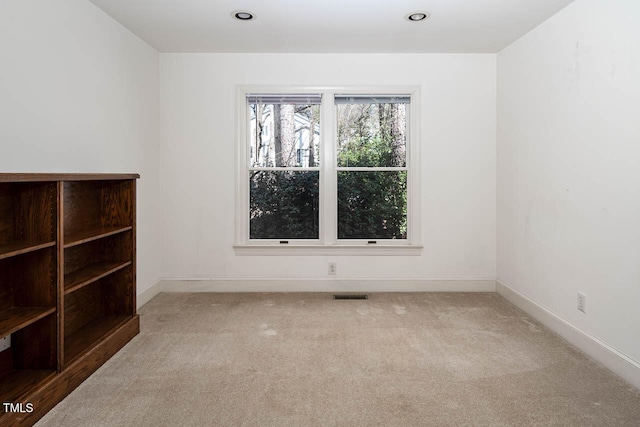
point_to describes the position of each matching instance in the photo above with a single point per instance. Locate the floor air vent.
(351, 297)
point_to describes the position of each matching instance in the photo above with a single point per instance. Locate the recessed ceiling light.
(243, 15)
(418, 16)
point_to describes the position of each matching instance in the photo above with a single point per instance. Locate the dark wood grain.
(124, 292)
(10, 249)
(89, 335)
(116, 203)
(85, 236)
(27, 214)
(6, 288)
(119, 247)
(60, 277)
(34, 278)
(127, 290)
(6, 362)
(114, 248)
(15, 318)
(91, 273)
(34, 211)
(44, 177)
(28, 280)
(82, 307)
(7, 197)
(16, 385)
(51, 392)
(67, 282)
(81, 206)
(35, 346)
(95, 205)
(132, 278)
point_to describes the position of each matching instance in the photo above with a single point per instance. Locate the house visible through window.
(302, 156)
(284, 184)
(326, 168)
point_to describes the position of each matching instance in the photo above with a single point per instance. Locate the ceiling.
(330, 26)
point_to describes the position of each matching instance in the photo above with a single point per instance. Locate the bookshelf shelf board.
(79, 279)
(89, 335)
(19, 382)
(15, 318)
(90, 235)
(10, 249)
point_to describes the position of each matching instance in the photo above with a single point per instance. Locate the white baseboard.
(147, 295)
(327, 285)
(613, 359)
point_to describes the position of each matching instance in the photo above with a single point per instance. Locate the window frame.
(328, 243)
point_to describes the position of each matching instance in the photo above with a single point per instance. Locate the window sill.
(334, 250)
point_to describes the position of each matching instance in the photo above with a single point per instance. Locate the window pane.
(284, 135)
(372, 134)
(372, 205)
(284, 205)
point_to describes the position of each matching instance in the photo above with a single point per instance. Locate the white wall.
(568, 200)
(79, 93)
(199, 147)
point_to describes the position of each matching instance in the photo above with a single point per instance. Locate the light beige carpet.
(304, 359)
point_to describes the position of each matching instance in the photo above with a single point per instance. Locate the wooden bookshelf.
(67, 282)
(91, 273)
(93, 310)
(18, 383)
(15, 318)
(9, 249)
(86, 236)
(31, 360)
(90, 334)
(28, 286)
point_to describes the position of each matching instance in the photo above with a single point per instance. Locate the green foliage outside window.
(284, 205)
(371, 204)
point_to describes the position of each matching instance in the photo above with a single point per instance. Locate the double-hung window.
(331, 171)
(284, 184)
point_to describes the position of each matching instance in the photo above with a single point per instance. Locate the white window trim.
(328, 244)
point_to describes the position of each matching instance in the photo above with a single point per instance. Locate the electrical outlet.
(582, 302)
(5, 342)
(333, 268)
